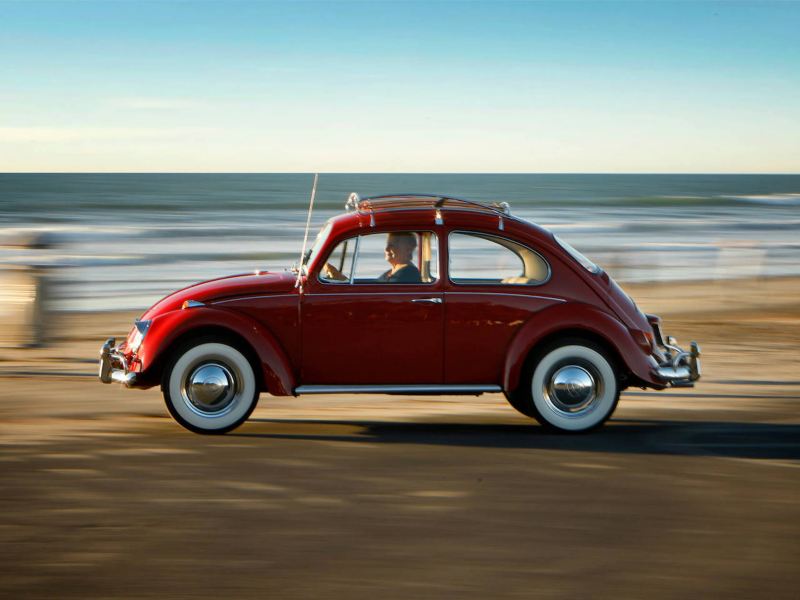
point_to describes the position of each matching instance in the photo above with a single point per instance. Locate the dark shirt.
(406, 274)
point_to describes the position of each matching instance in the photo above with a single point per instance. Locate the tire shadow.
(695, 438)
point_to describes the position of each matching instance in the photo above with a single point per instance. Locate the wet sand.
(684, 492)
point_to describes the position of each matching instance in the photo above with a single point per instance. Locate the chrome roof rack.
(438, 202)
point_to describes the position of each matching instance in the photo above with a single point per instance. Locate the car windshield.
(322, 237)
(583, 260)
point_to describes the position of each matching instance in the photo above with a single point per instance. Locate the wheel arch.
(216, 333)
(575, 334)
(173, 330)
(571, 321)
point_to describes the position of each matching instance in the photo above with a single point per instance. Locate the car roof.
(419, 210)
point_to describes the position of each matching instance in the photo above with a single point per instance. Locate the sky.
(621, 87)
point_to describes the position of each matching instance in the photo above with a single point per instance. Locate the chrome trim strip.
(399, 389)
(362, 286)
(506, 294)
(421, 292)
(214, 302)
(360, 293)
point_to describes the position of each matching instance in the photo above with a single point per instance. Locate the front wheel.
(572, 388)
(210, 387)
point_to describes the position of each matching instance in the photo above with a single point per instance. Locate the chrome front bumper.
(114, 366)
(681, 367)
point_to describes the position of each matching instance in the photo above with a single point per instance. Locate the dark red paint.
(333, 333)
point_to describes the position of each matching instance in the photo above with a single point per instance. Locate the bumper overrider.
(114, 365)
(681, 367)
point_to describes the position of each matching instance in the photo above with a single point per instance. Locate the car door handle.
(431, 300)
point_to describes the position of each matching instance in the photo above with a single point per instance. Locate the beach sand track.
(683, 492)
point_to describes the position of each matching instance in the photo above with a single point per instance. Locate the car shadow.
(695, 438)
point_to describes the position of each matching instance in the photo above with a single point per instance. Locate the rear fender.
(169, 327)
(572, 318)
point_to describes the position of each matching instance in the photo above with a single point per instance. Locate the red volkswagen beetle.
(406, 294)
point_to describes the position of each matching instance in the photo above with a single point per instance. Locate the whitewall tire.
(210, 387)
(571, 388)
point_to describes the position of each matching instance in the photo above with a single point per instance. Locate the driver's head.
(400, 248)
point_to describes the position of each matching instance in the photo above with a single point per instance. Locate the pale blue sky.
(400, 86)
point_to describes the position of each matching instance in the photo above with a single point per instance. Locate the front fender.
(168, 327)
(574, 317)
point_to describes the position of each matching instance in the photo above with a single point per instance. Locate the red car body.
(305, 334)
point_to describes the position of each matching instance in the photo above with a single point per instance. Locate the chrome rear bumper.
(681, 367)
(114, 366)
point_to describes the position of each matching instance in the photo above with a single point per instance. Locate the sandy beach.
(687, 491)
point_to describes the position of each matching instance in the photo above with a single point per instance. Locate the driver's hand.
(332, 272)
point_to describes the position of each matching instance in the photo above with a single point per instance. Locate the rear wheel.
(572, 387)
(210, 387)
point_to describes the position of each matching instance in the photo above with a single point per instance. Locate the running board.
(397, 389)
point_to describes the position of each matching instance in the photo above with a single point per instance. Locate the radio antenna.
(297, 283)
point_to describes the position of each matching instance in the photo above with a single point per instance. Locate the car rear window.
(477, 258)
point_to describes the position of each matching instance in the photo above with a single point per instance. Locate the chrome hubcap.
(210, 388)
(571, 389)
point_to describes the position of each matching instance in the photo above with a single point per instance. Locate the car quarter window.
(478, 258)
(402, 257)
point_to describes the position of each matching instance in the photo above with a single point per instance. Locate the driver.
(399, 252)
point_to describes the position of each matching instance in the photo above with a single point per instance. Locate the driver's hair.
(406, 238)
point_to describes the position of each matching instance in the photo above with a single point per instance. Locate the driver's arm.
(331, 272)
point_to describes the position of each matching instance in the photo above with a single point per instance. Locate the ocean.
(122, 241)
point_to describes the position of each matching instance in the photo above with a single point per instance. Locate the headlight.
(138, 335)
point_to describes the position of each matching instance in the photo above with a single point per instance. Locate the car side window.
(397, 257)
(477, 258)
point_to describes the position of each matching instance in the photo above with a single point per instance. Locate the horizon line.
(753, 173)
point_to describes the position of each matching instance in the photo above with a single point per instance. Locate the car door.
(492, 290)
(360, 330)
